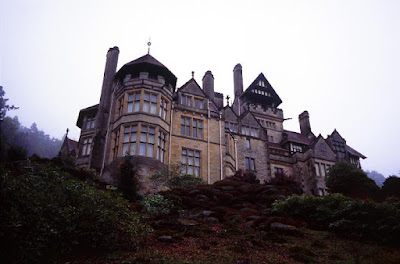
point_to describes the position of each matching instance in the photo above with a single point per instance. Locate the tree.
(391, 187)
(4, 107)
(128, 184)
(351, 181)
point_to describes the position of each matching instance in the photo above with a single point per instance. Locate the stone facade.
(142, 113)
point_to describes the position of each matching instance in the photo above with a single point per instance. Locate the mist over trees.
(377, 177)
(18, 142)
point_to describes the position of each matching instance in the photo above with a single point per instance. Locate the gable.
(261, 92)
(336, 136)
(322, 150)
(248, 119)
(230, 115)
(193, 88)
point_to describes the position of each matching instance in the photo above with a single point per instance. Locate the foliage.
(35, 141)
(351, 181)
(172, 178)
(4, 107)
(357, 218)
(15, 153)
(46, 215)
(163, 176)
(281, 179)
(391, 187)
(184, 182)
(157, 204)
(244, 176)
(128, 183)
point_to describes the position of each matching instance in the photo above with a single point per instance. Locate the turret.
(208, 84)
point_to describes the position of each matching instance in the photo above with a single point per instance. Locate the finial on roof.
(192, 74)
(227, 100)
(67, 133)
(148, 44)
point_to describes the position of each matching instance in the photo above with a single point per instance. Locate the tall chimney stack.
(208, 84)
(104, 109)
(238, 80)
(304, 120)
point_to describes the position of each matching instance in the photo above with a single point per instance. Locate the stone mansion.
(142, 113)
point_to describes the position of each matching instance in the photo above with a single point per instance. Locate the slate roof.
(297, 137)
(91, 110)
(251, 95)
(354, 152)
(72, 145)
(147, 63)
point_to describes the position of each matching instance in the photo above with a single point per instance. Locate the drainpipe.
(170, 134)
(208, 142)
(236, 158)
(220, 142)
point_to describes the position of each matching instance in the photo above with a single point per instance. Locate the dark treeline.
(18, 142)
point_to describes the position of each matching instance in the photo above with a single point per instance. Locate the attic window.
(261, 83)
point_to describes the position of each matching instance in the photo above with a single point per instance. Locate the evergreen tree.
(351, 181)
(128, 184)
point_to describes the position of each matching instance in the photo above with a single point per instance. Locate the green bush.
(157, 204)
(184, 182)
(47, 215)
(351, 181)
(356, 218)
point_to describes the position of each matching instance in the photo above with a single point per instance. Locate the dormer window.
(261, 83)
(186, 100)
(90, 121)
(199, 103)
(296, 148)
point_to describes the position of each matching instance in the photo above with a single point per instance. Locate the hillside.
(227, 222)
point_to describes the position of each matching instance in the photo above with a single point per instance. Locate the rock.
(280, 226)
(201, 197)
(165, 239)
(211, 220)
(249, 224)
(246, 188)
(187, 222)
(227, 188)
(206, 213)
(193, 192)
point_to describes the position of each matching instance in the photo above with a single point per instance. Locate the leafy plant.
(351, 181)
(128, 184)
(356, 218)
(244, 176)
(47, 215)
(157, 204)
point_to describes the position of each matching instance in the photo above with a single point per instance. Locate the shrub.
(351, 181)
(391, 187)
(128, 184)
(244, 176)
(356, 218)
(184, 182)
(157, 204)
(47, 215)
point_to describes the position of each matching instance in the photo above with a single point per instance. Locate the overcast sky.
(339, 60)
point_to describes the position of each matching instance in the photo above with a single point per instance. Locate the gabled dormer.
(190, 95)
(231, 119)
(249, 125)
(322, 150)
(260, 92)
